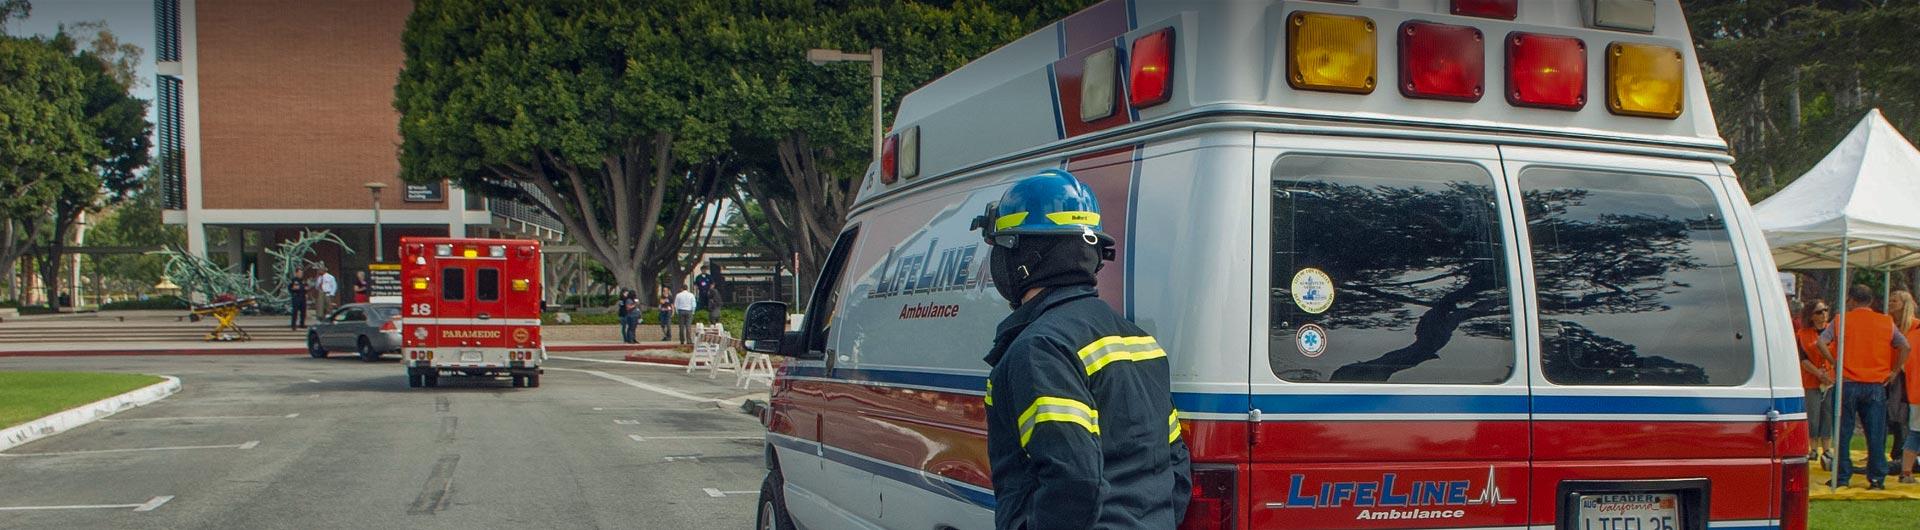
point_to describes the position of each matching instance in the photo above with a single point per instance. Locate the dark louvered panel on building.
(172, 147)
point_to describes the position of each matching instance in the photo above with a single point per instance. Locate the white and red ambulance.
(471, 307)
(1415, 264)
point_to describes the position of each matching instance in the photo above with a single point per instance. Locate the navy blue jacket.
(1081, 429)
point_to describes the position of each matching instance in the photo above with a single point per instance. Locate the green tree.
(119, 138)
(1789, 78)
(135, 223)
(47, 144)
(597, 106)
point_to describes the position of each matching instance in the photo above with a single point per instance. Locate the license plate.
(471, 357)
(1629, 511)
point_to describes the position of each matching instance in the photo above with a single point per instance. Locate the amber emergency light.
(1645, 80)
(1334, 53)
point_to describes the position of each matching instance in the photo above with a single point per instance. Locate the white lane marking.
(610, 361)
(313, 380)
(626, 422)
(643, 386)
(717, 494)
(687, 458)
(204, 418)
(153, 503)
(248, 445)
(716, 436)
(148, 506)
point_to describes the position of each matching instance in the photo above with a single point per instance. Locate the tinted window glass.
(351, 314)
(1637, 280)
(486, 284)
(826, 293)
(1387, 271)
(453, 284)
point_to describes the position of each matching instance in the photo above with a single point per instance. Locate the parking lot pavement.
(294, 442)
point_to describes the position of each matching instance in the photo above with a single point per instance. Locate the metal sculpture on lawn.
(196, 274)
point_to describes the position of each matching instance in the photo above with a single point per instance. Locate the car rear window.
(1636, 280)
(1388, 271)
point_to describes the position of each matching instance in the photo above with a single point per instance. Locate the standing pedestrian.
(1816, 377)
(1904, 320)
(1081, 429)
(683, 305)
(708, 282)
(362, 287)
(1900, 309)
(629, 308)
(327, 287)
(665, 305)
(296, 302)
(1871, 351)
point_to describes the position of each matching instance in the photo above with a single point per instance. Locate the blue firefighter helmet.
(1050, 203)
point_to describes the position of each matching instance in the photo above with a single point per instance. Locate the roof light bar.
(1442, 61)
(1333, 53)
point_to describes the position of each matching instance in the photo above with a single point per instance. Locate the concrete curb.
(63, 421)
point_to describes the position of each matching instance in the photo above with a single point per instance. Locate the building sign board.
(425, 193)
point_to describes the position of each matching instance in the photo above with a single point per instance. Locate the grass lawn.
(1864, 515)
(27, 396)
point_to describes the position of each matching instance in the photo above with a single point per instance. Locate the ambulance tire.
(414, 379)
(773, 505)
(367, 354)
(533, 380)
(518, 380)
(314, 349)
(431, 378)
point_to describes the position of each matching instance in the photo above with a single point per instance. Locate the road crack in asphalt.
(438, 491)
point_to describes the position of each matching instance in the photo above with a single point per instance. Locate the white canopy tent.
(1859, 207)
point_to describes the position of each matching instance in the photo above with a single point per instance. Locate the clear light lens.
(1645, 80)
(1330, 52)
(497, 251)
(1097, 74)
(443, 250)
(908, 155)
(1631, 15)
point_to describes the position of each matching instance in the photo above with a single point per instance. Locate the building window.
(171, 166)
(166, 29)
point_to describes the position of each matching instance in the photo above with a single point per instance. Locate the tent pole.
(1840, 367)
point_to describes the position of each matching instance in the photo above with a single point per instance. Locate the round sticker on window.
(1312, 290)
(1311, 339)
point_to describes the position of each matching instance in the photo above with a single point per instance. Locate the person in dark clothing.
(1081, 428)
(296, 302)
(666, 316)
(629, 308)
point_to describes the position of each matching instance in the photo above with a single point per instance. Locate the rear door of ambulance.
(1652, 401)
(453, 276)
(1387, 374)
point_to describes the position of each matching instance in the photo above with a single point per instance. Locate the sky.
(131, 20)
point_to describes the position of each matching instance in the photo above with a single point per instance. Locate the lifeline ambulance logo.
(1394, 499)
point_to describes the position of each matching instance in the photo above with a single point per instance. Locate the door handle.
(483, 316)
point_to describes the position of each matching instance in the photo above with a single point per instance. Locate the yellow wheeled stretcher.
(226, 316)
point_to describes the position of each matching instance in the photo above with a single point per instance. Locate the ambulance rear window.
(486, 284)
(1388, 271)
(453, 284)
(1636, 280)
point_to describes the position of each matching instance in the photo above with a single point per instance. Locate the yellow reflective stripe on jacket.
(1047, 408)
(1173, 426)
(988, 397)
(1100, 353)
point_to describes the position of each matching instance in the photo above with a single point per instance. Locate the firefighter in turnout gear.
(1081, 428)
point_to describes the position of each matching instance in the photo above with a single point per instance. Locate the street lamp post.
(820, 57)
(379, 244)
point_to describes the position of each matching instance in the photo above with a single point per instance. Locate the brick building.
(274, 115)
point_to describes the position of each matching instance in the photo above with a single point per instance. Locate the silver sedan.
(369, 330)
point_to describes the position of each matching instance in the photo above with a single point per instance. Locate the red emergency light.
(889, 158)
(1150, 77)
(1546, 71)
(1442, 61)
(1501, 9)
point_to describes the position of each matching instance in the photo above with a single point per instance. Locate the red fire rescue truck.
(471, 307)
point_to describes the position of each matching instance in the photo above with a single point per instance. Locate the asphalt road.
(300, 443)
